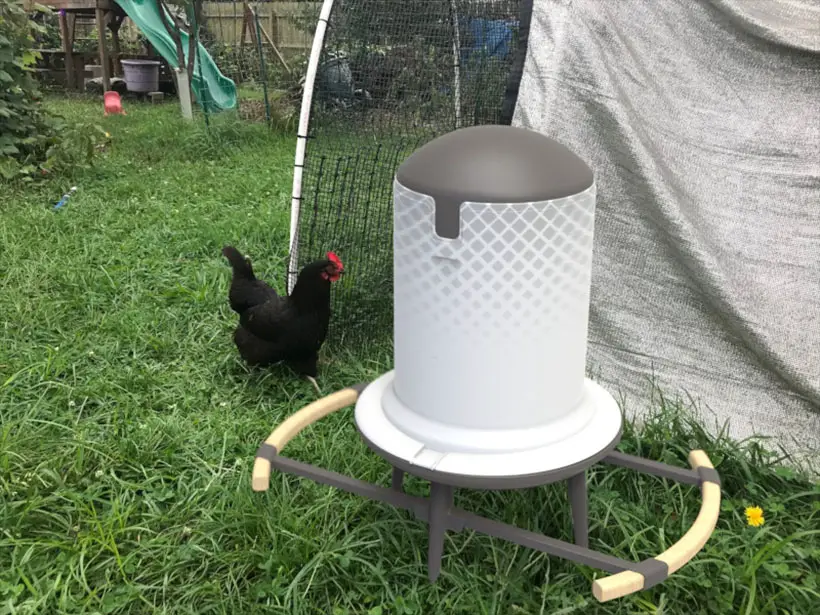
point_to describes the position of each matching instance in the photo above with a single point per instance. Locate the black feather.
(274, 328)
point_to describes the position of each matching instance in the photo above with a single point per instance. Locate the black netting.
(392, 76)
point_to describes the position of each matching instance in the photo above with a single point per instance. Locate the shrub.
(32, 142)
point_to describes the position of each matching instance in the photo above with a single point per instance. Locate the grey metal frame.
(442, 515)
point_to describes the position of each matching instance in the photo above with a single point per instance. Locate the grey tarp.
(701, 119)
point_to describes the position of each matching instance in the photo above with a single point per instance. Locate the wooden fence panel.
(279, 19)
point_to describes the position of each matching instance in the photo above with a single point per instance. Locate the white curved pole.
(301, 136)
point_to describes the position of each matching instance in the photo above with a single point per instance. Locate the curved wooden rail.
(627, 582)
(295, 423)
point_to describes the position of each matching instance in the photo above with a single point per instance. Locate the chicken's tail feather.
(241, 265)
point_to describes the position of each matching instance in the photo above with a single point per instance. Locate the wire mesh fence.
(393, 74)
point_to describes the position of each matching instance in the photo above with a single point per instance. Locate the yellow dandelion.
(754, 516)
(108, 135)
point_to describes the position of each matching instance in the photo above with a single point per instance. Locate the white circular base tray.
(597, 433)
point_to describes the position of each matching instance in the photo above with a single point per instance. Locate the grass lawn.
(128, 429)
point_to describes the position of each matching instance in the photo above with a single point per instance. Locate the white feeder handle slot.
(295, 423)
(628, 582)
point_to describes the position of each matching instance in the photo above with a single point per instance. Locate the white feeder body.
(491, 327)
(493, 236)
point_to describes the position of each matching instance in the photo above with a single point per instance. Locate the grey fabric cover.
(701, 120)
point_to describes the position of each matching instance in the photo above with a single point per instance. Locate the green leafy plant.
(49, 36)
(33, 143)
(22, 121)
(72, 147)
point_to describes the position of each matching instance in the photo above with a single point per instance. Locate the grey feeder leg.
(578, 504)
(397, 481)
(441, 499)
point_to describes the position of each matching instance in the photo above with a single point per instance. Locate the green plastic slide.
(213, 90)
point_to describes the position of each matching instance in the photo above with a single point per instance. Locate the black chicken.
(291, 328)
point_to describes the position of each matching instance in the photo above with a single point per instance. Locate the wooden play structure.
(107, 15)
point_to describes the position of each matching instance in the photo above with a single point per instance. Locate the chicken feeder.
(493, 242)
(492, 245)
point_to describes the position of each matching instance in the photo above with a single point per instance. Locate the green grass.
(128, 429)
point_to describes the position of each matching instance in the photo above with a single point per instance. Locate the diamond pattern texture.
(512, 288)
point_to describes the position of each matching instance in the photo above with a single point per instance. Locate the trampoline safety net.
(391, 76)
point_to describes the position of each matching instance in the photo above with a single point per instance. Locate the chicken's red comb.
(331, 256)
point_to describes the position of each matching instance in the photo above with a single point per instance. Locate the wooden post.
(275, 48)
(114, 25)
(184, 93)
(115, 43)
(250, 16)
(67, 34)
(106, 68)
(244, 25)
(249, 24)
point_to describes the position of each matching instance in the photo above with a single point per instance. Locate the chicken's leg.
(307, 368)
(315, 385)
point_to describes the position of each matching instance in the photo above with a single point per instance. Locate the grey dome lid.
(491, 164)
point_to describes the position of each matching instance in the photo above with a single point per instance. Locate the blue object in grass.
(65, 198)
